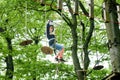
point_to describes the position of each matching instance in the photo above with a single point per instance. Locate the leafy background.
(26, 20)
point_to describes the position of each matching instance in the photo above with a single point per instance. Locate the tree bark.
(9, 61)
(88, 38)
(72, 23)
(83, 9)
(78, 69)
(85, 46)
(113, 33)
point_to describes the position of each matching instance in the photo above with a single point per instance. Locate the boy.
(52, 42)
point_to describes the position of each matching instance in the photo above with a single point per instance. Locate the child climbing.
(52, 42)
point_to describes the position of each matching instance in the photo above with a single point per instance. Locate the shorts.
(57, 46)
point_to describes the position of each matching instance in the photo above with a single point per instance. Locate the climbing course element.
(47, 50)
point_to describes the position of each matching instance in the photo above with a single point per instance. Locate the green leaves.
(26, 20)
(98, 74)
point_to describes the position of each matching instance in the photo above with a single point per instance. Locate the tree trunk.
(73, 25)
(85, 47)
(112, 27)
(9, 62)
(76, 63)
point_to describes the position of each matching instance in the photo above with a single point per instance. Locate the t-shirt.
(51, 37)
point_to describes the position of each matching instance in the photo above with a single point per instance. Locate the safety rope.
(45, 25)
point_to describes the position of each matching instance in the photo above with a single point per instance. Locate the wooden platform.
(112, 76)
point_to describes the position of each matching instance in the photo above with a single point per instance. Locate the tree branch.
(83, 8)
(65, 18)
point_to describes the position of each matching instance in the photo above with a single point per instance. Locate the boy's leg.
(60, 54)
(60, 49)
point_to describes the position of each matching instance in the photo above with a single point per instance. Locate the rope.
(57, 69)
(98, 59)
(26, 15)
(60, 34)
(96, 45)
(45, 26)
(54, 44)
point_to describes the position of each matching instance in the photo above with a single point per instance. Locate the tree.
(72, 23)
(28, 22)
(9, 61)
(113, 33)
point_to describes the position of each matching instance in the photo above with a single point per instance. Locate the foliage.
(24, 20)
(98, 75)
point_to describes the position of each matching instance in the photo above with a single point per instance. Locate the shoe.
(56, 59)
(62, 60)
